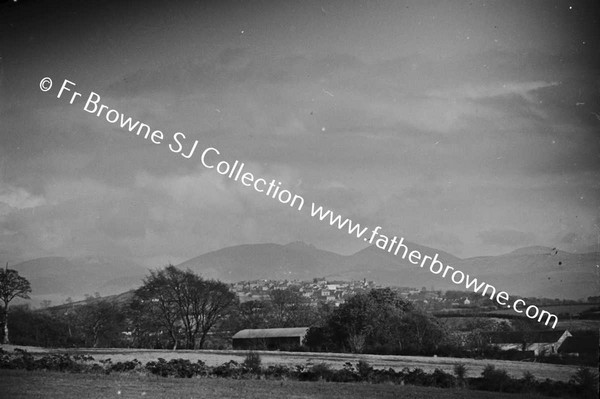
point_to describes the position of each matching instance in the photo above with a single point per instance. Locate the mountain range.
(528, 272)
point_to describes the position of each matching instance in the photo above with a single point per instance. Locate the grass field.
(15, 384)
(214, 358)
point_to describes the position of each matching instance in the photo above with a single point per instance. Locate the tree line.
(177, 309)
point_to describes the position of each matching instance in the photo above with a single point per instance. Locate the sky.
(471, 127)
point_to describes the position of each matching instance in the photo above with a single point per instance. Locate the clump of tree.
(173, 308)
(182, 304)
(284, 308)
(11, 286)
(379, 321)
(100, 324)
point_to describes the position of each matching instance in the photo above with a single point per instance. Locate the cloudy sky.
(468, 126)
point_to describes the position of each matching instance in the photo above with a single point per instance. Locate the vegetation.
(380, 322)
(47, 384)
(179, 309)
(583, 383)
(252, 362)
(11, 286)
(184, 304)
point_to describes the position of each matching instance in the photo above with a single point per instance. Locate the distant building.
(269, 338)
(538, 342)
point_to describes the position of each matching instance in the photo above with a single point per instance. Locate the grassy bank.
(17, 384)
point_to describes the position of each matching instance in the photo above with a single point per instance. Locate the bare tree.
(289, 309)
(185, 304)
(101, 322)
(11, 286)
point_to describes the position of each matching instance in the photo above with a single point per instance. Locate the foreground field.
(214, 358)
(17, 384)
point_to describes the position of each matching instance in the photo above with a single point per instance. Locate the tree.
(39, 328)
(421, 334)
(184, 304)
(101, 323)
(289, 309)
(11, 286)
(367, 320)
(252, 314)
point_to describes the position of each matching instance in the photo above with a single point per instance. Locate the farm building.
(538, 342)
(269, 338)
(582, 344)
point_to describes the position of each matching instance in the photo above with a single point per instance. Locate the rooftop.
(271, 332)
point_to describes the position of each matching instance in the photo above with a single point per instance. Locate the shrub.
(587, 382)
(58, 362)
(128, 365)
(180, 368)
(320, 371)
(418, 377)
(252, 362)
(528, 382)
(231, 369)
(494, 379)
(379, 376)
(442, 379)
(278, 371)
(20, 359)
(364, 369)
(344, 375)
(460, 371)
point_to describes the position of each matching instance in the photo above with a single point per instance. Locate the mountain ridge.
(529, 271)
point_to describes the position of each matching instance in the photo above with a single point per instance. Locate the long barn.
(269, 338)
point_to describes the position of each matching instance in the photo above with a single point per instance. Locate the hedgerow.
(582, 384)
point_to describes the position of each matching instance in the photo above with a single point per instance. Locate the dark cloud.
(440, 121)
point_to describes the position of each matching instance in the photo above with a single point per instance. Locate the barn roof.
(272, 333)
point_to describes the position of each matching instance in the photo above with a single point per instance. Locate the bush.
(364, 369)
(180, 368)
(57, 362)
(320, 371)
(418, 377)
(252, 362)
(442, 379)
(231, 369)
(494, 379)
(528, 382)
(129, 365)
(20, 359)
(587, 382)
(277, 372)
(379, 376)
(460, 371)
(346, 374)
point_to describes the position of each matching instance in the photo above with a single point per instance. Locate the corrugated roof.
(272, 332)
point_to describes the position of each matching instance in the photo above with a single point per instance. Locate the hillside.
(57, 278)
(296, 260)
(532, 271)
(546, 273)
(384, 268)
